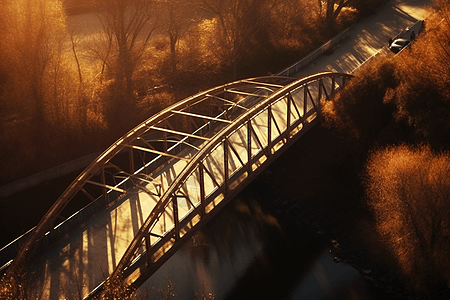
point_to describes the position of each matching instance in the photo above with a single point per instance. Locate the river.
(248, 252)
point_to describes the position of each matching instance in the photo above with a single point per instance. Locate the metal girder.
(215, 133)
(229, 102)
(157, 152)
(146, 143)
(201, 116)
(107, 186)
(264, 83)
(181, 133)
(195, 163)
(246, 93)
(77, 186)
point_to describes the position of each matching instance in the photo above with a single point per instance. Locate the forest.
(66, 92)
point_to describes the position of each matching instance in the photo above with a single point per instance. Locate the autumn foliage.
(66, 91)
(393, 117)
(408, 189)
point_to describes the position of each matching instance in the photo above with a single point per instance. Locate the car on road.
(398, 44)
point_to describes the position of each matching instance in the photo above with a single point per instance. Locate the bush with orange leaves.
(395, 101)
(408, 189)
(422, 97)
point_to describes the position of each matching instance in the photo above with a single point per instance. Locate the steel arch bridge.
(186, 162)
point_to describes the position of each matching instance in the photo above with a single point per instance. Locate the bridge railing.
(60, 232)
(224, 166)
(293, 69)
(140, 156)
(91, 210)
(213, 144)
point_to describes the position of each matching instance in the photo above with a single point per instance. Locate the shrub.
(421, 98)
(359, 108)
(408, 189)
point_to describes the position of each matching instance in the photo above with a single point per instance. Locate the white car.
(398, 44)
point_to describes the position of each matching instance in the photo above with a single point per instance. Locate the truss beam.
(180, 133)
(220, 162)
(202, 117)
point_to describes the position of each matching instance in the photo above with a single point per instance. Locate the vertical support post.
(176, 219)
(269, 129)
(319, 97)
(202, 189)
(226, 153)
(104, 191)
(305, 100)
(148, 250)
(327, 94)
(333, 84)
(165, 147)
(249, 147)
(288, 117)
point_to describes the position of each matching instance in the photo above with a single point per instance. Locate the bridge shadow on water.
(248, 251)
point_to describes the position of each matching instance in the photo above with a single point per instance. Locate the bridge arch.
(190, 160)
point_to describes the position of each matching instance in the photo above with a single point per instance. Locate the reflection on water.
(328, 280)
(246, 252)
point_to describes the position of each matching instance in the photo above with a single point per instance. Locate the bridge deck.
(173, 180)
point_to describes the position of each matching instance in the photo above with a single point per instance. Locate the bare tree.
(334, 7)
(75, 39)
(32, 40)
(241, 22)
(129, 25)
(179, 17)
(329, 10)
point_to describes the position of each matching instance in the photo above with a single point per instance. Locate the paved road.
(370, 36)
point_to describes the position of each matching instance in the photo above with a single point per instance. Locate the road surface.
(370, 35)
